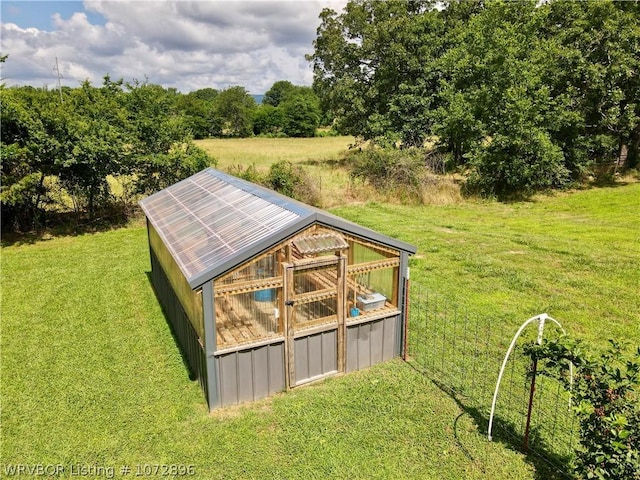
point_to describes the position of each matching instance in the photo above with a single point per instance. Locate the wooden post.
(341, 311)
(289, 318)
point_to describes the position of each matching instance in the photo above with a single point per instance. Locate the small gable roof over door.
(211, 222)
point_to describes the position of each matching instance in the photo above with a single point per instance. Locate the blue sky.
(39, 14)
(181, 44)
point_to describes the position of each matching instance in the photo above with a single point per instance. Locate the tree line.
(520, 96)
(287, 110)
(62, 149)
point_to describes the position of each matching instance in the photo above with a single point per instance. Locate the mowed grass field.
(91, 376)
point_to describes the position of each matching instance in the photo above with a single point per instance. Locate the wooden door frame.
(289, 319)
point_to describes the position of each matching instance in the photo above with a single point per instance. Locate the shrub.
(517, 164)
(155, 172)
(293, 181)
(249, 173)
(390, 169)
(606, 394)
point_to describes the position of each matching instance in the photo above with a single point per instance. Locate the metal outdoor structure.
(463, 354)
(541, 321)
(264, 293)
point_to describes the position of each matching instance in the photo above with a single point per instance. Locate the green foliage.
(292, 180)
(551, 87)
(518, 165)
(606, 392)
(267, 119)
(249, 173)
(389, 169)
(234, 107)
(278, 93)
(301, 116)
(155, 172)
(90, 135)
(287, 110)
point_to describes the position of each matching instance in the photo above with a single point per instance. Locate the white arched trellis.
(541, 321)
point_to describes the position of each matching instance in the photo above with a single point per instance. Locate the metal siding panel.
(364, 345)
(209, 323)
(314, 344)
(276, 368)
(352, 349)
(399, 336)
(301, 355)
(245, 376)
(228, 379)
(389, 339)
(261, 372)
(377, 338)
(329, 351)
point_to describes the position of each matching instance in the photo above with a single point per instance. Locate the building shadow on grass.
(67, 224)
(192, 375)
(548, 465)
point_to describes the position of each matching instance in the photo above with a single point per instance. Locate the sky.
(186, 45)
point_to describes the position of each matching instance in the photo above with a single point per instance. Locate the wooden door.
(315, 310)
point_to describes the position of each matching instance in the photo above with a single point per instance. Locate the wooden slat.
(318, 321)
(228, 337)
(248, 286)
(316, 296)
(371, 266)
(315, 262)
(341, 272)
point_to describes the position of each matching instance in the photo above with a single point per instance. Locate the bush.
(294, 181)
(517, 164)
(606, 394)
(155, 172)
(249, 173)
(390, 169)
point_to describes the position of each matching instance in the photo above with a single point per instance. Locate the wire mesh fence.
(463, 354)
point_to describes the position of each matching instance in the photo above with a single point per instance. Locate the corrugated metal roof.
(324, 242)
(212, 221)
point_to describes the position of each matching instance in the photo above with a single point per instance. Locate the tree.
(372, 68)
(289, 109)
(34, 142)
(94, 133)
(278, 93)
(541, 90)
(301, 116)
(599, 69)
(235, 107)
(161, 150)
(268, 119)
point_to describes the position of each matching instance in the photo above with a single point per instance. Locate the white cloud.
(182, 44)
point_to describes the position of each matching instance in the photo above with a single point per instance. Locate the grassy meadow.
(91, 376)
(322, 159)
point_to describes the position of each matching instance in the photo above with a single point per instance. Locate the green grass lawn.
(92, 376)
(573, 256)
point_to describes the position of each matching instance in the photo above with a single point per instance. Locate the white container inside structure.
(370, 301)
